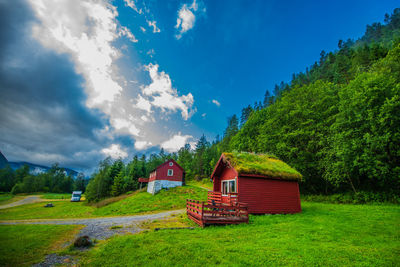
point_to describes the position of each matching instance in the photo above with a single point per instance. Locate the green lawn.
(61, 209)
(171, 199)
(203, 183)
(6, 198)
(322, 235)
(141, 202)
(23, 245)
(56, 196)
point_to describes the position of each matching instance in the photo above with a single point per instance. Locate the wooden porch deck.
(217, 210)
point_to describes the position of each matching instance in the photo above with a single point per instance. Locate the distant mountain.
(33, 168)
(36, 169)
(3, 161)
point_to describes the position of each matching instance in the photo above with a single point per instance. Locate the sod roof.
(261, 164)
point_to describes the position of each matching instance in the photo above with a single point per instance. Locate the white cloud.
(64, 28)
(124, 31)
(125, 126)
(143, 104)
(216, 102)
(86, 31)
(141, 145)
(143, 29)
(204, 115)
(132, 4)
(153, 24)
(115, 151)
(164, 95)
(186, 18)
(176, 142)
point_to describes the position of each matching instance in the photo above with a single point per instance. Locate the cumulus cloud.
(115, 151)
(71, 102)
(86, 30)
(64, 28)
(176, 142)
(141, 145)
(143, 104)
(124, 31)
(186, 18)
(216, 102)
(164, 96)
(154, 26)
(42, 112)
(132, 4)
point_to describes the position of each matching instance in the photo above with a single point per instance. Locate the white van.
(76, 196)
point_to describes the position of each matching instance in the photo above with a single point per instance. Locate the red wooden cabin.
(264, 183)
(167, 175)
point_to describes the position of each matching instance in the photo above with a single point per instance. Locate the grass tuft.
(262, 164)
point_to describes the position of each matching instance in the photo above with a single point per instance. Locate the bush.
(362, 197)
(83, 241)
(17, 188)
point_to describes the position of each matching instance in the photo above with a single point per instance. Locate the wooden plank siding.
(269, 195)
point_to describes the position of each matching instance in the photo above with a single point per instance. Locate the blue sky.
(83, 80)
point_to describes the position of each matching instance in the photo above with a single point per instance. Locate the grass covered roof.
(261, 164)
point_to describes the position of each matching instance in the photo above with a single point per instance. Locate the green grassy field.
(322, 235)
(56, 196)
(203, 183)
(141, 202)
(172, 199)
(23, 245)
(6, 198)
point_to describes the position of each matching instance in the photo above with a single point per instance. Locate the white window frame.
(172, 172)
(171, 164)
(227, 181)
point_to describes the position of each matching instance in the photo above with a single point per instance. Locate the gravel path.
(100, 228)
(27, 200)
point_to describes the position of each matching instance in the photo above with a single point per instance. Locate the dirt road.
(100, 228)
(27, 200)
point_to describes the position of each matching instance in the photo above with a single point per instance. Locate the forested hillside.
(338, 123)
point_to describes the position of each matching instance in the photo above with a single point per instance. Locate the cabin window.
(170, 172)
(228, 187)
(171, 164)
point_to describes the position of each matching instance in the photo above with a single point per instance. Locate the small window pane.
(170, 172)
(224, 188)
(232, 187)
(171, 163)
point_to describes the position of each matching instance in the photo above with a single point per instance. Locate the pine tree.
(117, 187)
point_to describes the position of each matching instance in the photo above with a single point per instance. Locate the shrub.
(83, 241)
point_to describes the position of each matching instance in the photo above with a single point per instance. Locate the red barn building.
(265, 183)
(167, 175)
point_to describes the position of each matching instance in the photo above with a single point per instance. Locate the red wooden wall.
(227, 174)
(162, 172)
(269, 195)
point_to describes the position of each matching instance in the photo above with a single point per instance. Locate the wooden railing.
(238, 210)
(202, 213)
(218, 198)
